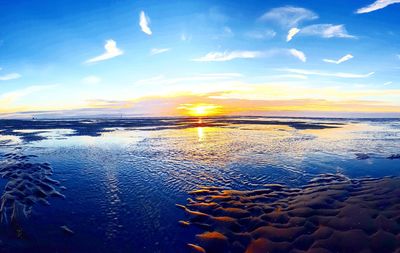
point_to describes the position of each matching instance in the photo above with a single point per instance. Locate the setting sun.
(200, 109)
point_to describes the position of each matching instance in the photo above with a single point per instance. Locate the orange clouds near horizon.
(206, 105)
(220, 104)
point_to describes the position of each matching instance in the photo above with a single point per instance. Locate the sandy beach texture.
(330, 214)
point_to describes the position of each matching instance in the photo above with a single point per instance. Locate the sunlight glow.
(200, 110)
(200, 134)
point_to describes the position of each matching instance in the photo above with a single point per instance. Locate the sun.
(201, 110)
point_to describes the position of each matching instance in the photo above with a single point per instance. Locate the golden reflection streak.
(200, 134)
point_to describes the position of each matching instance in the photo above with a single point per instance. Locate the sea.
(112, 185)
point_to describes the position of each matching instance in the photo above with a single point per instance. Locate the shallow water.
(123, 178)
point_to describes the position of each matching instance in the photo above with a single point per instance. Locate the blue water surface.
(122, 184)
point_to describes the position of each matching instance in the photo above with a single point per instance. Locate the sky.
(325, 58)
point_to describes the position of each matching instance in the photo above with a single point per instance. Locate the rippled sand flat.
(122, 178)
(330, 214)
(28, 184)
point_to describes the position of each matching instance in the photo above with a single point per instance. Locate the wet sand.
(122, 178)
(28, 183)
(330, 214)
(96, 127)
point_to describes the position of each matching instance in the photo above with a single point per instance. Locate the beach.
(220, 184)
(330, 214)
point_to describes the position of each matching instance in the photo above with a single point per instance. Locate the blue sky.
(164, 57)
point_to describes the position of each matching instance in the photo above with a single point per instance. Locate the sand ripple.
(330, 214)
(28, 183)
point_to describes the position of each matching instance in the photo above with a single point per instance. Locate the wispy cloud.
(238, 54)
(111, 52)
(261, 34)
(290, 76)
(327, 74)
(91, 80)
(105, 103)
(223, 75)
(228, 56)
(388, 83)
(144, 22)
(289, 16)
(341, 60)
(377, 5)
(184, 37)
(326, 31)
(162, 80)
(10, 76)
(155, 51)
(10, 97)
(298, 54)
(225, 32)
(292, 32)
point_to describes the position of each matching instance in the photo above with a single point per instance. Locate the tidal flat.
(218, 184)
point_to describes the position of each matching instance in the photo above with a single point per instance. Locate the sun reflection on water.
(200, 133)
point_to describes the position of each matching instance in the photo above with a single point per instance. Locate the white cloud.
(291, 76)
(185, 37)
(91, 80)
(326, 31)
(327, 74)
(227, 32)
(111, 52)
(227, 56)
(377, 5)
(289, 16)
(238, 54)
(161, 80)
(298, 54)
(10, 76)
(387, 83)
(155, 51)
(264, 34)
(223, 75)
(144, 22)
(10, 97)
(292, 32)
(343, 59)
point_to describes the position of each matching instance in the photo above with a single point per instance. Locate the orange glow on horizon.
(201, 110)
